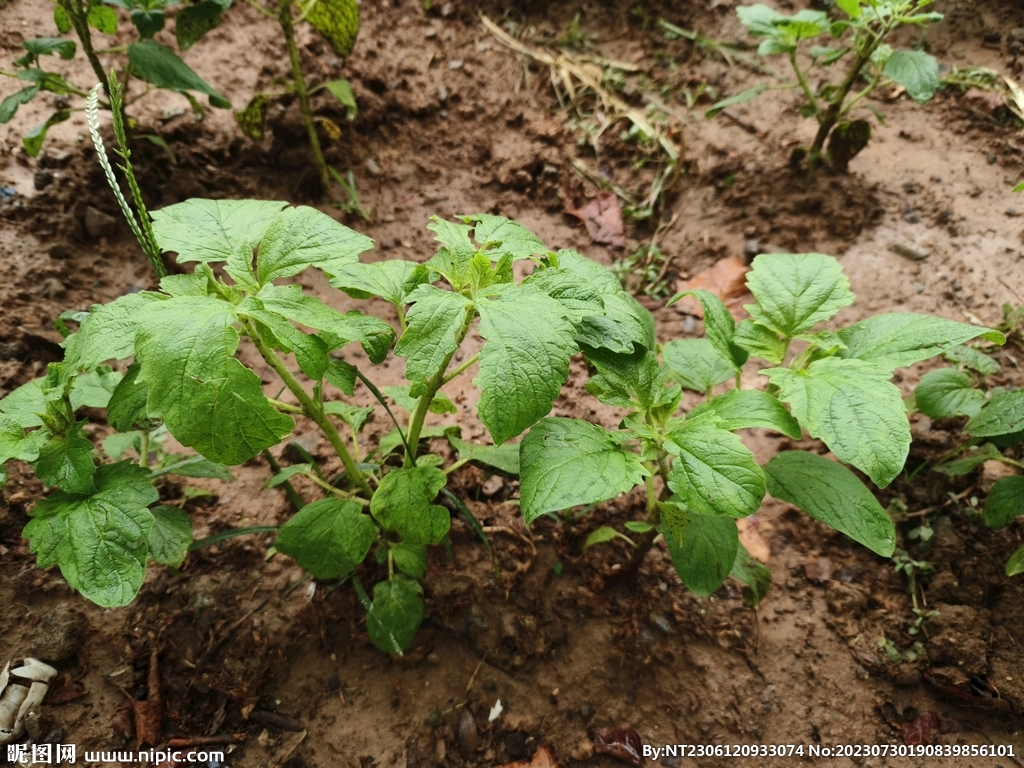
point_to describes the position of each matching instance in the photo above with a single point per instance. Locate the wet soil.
(450, 121)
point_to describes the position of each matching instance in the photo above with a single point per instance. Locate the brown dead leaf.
(601, 216)
(69, 690)
(923, 729)
(727, 279)
(751, 537)
(148, 712)
(621, 741)
(542, 758)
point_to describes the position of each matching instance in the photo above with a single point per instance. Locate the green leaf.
(803, 25)
(338, 21)
(395, 614)
(170, 536)
(969, 461)
(599, 276)
(208, 399)
(502, 457)
(452, 261)
(831, 493)
(1015, 564)
(26, 405)
(1005, 502)
(304, 237)
(795, 292)
(719, 326)
(525, 359)
(127, 408)
(410, 559)
(706, 554)
(33, 140)
(503, 237)
(342, 375)
(402, 503)
(342, 91)
(434, 322)
(714, 473)
(850, 7)
(624, 327)
(760, 341)
(900, 339)
(328, 538)
(601, 535)
(568, 462)
(754, 574)
(194, 466)
(16, 444)
(638, 526)
(61, 20)
(352, 415)
(392, 281)
(310, 351)
(572, 290)
(947, 392)
(972, 358)
(149, 22)
(773, 46)
(102, 18)
(161, 67)
(212, 230)
(99, 540)
(631, 381)
(46, 46)
(393, 440)
(696, 365)
(739, 98)
(94, 389)
(1003, 415)
(853, 407)
(286, 474)
(10, 105)
(194, 21)
(253, 116)
(117, 444)
(916, 71)
(759, 19)
(403, 399)
(746, 408)
(66, 462)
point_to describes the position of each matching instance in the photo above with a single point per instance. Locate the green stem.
(284, 17)
(261, 9)
(311, 409)
(866, 92)
(808, 91)
(79, 20)
(144, 450)
(1010, 462)
(457, 465)
(284, 406)
(332, 490)
(461, 369)
(293, 496)
(416, 425)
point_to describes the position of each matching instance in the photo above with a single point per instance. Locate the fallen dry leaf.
(542, 758)
(752, 538)
(727, 279)
(924, 729)
(621, 741)
(601, 216)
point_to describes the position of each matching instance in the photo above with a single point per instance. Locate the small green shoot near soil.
(338, 22)
(145, 58)
(859, 40)
(994, 430)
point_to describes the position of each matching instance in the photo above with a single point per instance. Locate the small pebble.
(992, 159)
(910, 251)
(909, 214)
(587, 710)
(455, 64)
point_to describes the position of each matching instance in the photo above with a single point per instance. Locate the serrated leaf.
(15, 443)
(568, 462)
(525, 359)
(403, 504)
(252, 118)
(33, 140)
(395, 614)
(916, 71)
(208, 399)
(796, 291)
(117, 444)
(502, 457)
(170, 536)
(1005, 502)
(26, 405)
(719, 326)
(1015, 564)
(631, 381)
(148, 22)
(853, 407)
(850, 7)
(705, 555)
(453, 259)
(160, 66)
(94, 389)
(194, 21)
(47, 46)
(66, 462)
(969, 461)
(501, 237)
(100, 540)
(696, 365)
(947, 392)
(623, 328)
(9, 106)
(352, 415)
(212, 230)
(746, 408)
(431, 335)
(127, 408)
(392, 281)
(1002, 415)
(102, 18)
(309, 350)
(195, 466)
(759, 19)
(900, 339)
(754, 574)
(972, 358)
(403, 399)
(578, 297)
(338, 21)
(831, 493)
(714, 473)
(61, 20)
(760, 341)
(342, 375)
(329, 538)
(305, 237)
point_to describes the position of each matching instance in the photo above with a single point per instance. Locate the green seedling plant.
(994, 430)
(338, 22)
(697, 475)
(153, 62)
(859, 41)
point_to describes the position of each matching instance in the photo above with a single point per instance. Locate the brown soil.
(452, 122)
